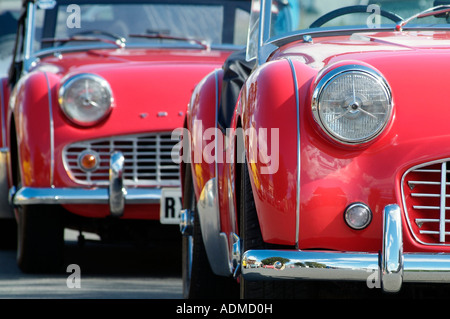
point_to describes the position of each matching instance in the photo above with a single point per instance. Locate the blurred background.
(9, 13)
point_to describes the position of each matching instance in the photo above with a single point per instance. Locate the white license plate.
(170, 205)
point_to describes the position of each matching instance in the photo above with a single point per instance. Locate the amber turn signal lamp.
(88, 160)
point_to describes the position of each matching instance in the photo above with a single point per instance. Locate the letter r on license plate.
(170, 205)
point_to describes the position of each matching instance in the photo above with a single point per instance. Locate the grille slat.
(425, 207)
(425, 190)
(148, 160)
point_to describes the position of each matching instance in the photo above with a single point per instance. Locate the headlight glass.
(85, 99)
(352, 104)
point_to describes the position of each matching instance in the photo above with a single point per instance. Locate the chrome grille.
(148, 160)
(425, 190)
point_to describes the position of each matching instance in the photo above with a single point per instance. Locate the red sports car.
(88, 111)
(318, 157)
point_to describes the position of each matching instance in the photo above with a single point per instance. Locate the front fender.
(201, 123)
(32, 113)
(269, 110)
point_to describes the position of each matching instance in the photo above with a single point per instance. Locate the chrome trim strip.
(52, 131)
(50, 195)
(216, 121)
(29, 32)
(266, 8)
(296, 35)
(264, 29)
(297, 104)
(442, 202)
(354, 266)
(116, 189)
(216, 243)
(99, 46)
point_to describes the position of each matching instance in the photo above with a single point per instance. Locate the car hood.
(377, 48)
(154, 85)
(92, 60)
(414, 64)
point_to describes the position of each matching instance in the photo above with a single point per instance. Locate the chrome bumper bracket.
(117, 191)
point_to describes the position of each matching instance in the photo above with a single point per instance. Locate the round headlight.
(85, 99)
(352, 104)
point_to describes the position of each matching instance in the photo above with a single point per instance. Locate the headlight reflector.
(352, 104)
(85, 99)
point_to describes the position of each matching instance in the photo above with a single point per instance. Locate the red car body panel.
(264, 95)
(343, 124)
(333, 175)
(91, 109)
(372, 171)
(202, 108)
(138, 98)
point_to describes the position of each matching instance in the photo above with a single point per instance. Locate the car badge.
(162, 114)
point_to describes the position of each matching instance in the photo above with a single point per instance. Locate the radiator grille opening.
(148, 160)
(425, 191)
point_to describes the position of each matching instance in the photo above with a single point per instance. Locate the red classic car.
(88, 111)
(318, 157)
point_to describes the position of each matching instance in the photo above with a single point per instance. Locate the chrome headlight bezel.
(324, 81)
(73, 110)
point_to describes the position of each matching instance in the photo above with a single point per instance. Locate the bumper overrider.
(116, 195)
(387, 269)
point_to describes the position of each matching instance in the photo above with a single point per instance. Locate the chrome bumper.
(116, 195)
(33, 196)
(387, 269)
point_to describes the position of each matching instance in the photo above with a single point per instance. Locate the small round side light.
(358, 216)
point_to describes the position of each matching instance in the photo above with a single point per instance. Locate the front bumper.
(33, 196)
(116, 195)
(387, 269)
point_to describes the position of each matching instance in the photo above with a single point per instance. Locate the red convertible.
(318, 158)
(88, 111)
